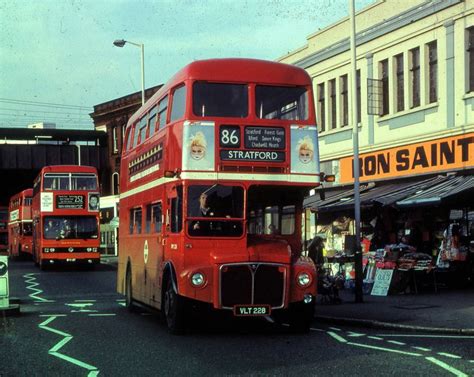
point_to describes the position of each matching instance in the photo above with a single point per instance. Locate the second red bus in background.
(20, 224)
(66, 215)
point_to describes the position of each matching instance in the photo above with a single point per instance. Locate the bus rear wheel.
(173, 309)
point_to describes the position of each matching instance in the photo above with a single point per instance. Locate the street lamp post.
(355, 139)
(121, 43)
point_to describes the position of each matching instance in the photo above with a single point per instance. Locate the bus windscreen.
(281, 102)
(220, 100)
(70, 227)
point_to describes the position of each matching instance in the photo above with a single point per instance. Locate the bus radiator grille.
(252, 284)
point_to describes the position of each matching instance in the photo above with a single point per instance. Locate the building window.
(332, 103)
(321, 108)
(358, 93)
(400, 96)
(432, 72)
(115, 139)
(415, 77)
(115, 183)
(384, 78)
(470, 57)
(344, 101)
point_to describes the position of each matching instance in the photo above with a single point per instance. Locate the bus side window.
(157, 217)
(135, 221)
(162, 111)
(152, 121)
(177, 211)
(142, 132)
(179, 103)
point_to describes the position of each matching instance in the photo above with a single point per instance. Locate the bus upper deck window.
(220, 100)
(152, 121)
(280, 102)
(162, 111)
(179, 103)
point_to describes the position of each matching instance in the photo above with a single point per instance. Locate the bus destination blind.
(70, 201)
(261, 144)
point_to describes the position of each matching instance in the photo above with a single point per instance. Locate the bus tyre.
(300, 317)
(128, 291)
(173, 309)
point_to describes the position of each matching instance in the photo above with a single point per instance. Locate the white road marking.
(31, 280)
(428, 336)
(397, 343)
(384, 349)
(102, 315)
(93, 371)
(447, 367)
(354, 334)
(375, 337)
(337, 337)
(85, 300)
(53, 315)
(335, 329)
(449, 355)
(315, 329)
(122, 303)
(421, 349)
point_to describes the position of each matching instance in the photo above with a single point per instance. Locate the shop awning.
(451, 188)
(333, 194)
(382, 194)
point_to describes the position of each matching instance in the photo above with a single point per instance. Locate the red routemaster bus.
(3, 230)
(213, 176)
(19, 224)
(66, 215)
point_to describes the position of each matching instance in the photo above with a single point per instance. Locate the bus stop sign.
(4, 301)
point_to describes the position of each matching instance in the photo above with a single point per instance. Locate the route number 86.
(230, 136)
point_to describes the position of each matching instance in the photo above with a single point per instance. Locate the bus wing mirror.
(327, 177)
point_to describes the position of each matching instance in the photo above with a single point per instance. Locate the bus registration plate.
(251, 310)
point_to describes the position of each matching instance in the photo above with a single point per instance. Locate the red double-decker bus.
(213, 176)
(3, 230)
(20, 224)
(66, 215)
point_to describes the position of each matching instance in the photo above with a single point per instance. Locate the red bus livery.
(213, 176)
(3, 230)
(19, 224)
(66, 215)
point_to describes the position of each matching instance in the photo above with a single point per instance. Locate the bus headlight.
(198, 279)
(46, 250)
(303, 279)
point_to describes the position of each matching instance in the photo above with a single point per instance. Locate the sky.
(57, 58)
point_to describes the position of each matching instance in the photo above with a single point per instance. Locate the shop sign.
(447, 154)
(382, 281)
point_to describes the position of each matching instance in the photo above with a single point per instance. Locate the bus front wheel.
(128, 291)
(173, 309)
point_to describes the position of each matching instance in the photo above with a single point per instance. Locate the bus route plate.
(251, 310)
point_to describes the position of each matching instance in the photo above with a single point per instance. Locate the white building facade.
(415, 83)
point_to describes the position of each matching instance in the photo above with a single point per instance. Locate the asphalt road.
(72, 323)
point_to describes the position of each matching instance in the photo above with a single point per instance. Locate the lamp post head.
(120, 42)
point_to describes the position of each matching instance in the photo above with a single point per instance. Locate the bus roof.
(237, 70)
(68, 169)
(27, 192)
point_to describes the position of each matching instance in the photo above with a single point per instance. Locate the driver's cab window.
(215, 210)
(176, 211)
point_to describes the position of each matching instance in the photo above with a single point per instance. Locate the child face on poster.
(198, 146)
(305, 150)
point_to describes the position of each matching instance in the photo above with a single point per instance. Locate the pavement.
(447, 311)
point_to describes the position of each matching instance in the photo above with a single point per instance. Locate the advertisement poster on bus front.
(304, 150)
(198, 146)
